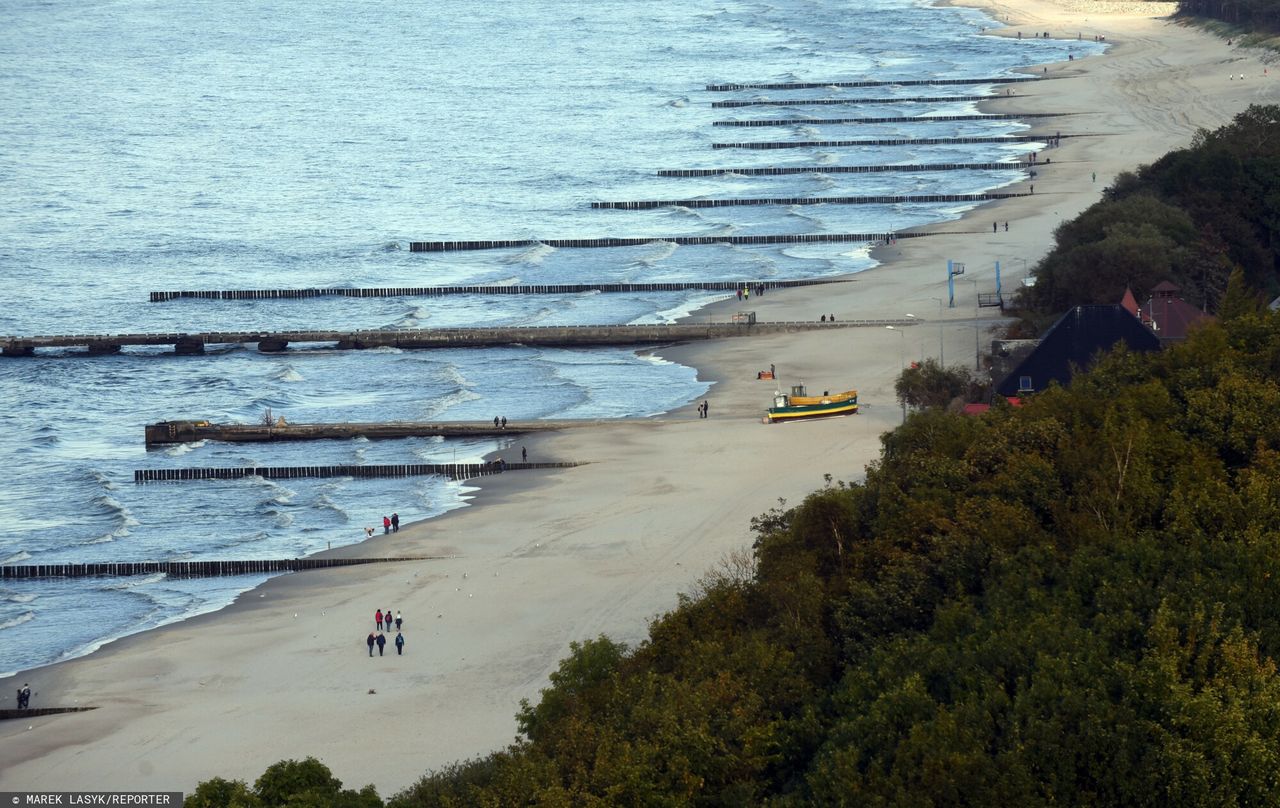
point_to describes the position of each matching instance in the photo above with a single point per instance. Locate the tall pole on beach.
(942, 359)
(902, 361)
(977, 310)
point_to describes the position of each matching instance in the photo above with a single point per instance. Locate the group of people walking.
(379, 639)
(391, 524)
(24, 696)
(499, 422)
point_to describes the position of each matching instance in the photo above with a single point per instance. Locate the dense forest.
(1257, 14)
(1192, 217)
(1072, 602)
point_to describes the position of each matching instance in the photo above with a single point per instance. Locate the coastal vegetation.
(1072, 602)
(1263, 15)
(1193, 217)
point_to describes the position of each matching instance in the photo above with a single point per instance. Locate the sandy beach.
(547, 558)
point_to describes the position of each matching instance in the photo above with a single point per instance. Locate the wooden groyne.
(909, 120)
(187, 569)
(800, 200)
(190, 431)
(684, 241)
(819, 85)
(786, 170)
(885, 141)
(829, 102)
(36, 712)
(509, 289)
(553, 335)
(454, 471)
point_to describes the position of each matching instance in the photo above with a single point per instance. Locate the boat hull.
(809, 411)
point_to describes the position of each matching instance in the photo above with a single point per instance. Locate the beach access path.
(550, 558)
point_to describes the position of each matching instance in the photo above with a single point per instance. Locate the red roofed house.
(1166, 313)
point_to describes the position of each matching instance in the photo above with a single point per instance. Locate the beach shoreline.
(540, 559)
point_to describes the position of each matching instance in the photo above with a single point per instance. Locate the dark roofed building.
(1074, 341)
(1167, 314)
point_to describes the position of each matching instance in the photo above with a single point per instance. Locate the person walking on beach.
(399, 619)
(495, 422)
(524, 455)
(24, 696)
(371, 641)
(386, 525)
(994, 227)
(1006, 227)
(504, 422)
(706, 408)
(377, 619)
(395, 523)
(399, 644)
(382, 642)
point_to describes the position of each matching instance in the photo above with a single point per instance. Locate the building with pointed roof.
(1072, 344)
(1168, 315)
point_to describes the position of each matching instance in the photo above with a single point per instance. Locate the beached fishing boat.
(798, 405)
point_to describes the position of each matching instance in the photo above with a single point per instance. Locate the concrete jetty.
(454, 471)
(187, 569)
(910, 119)
(190, 431)
(862, 169)
(558, 336)
(887, 141)
(781, 238)
(506, 289)
(820, 85)
(806, 200)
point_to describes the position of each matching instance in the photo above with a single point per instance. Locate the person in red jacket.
(377, 618)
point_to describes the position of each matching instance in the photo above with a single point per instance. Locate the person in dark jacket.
(371, 641)
(399, 643)
(382, 642)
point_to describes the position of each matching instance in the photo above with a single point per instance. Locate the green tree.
(929, 384)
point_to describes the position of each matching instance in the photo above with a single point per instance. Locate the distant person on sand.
(386, 524)
(382, 642)
(371, 641)
(395, 523)
(706, 409)
(377, 619)
(994, 227)
(399, 643)
(495, 421)
(1006, 227)
(24, 696)
(399, 619)
(504, 422)
(524, 455)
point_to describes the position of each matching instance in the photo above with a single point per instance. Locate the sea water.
(193, 144)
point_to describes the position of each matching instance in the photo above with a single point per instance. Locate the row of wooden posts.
(831, 102)
(186, 569)
(911, 119)
(822, 85)
(509, 289)
(782, 238)
(861, 169)
(805, 200)
(765, 145)
(456, 471)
